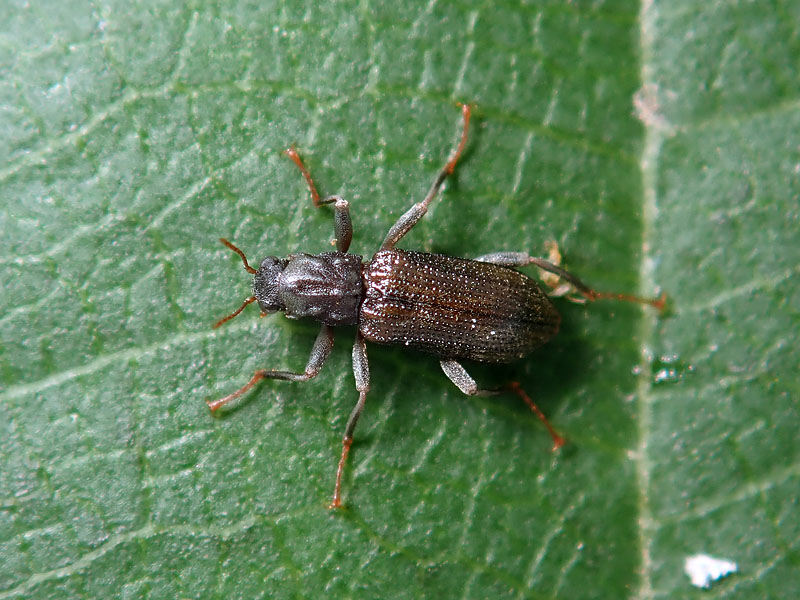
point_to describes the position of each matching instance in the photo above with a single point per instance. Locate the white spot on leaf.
(703, 569)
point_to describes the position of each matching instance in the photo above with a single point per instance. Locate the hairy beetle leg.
(412, 216)
(361, 373)
(319, 354)
(522, 259)
(464, 382)
(342, 225)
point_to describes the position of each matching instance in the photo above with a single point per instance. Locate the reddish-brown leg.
(337, 496)
(361, 372)
(412, 216)
(464, 381)
(292, 153)
(591, 294)
(558, 441)
(257, 376)
(319, 353)
(342, 225)
(521, 259)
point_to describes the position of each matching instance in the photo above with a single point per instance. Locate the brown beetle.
(453, 308)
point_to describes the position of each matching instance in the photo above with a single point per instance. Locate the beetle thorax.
(326, 287)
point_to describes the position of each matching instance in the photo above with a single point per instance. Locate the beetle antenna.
(247, 266)
(235, 313)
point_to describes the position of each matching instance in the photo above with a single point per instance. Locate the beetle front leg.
(319, 354)
(522, 259)
(342, 225)
(416, 212)
(361, 372)
(464, 381)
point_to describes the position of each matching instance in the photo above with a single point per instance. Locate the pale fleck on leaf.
(703, 569)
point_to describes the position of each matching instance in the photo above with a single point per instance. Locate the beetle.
(453, 308)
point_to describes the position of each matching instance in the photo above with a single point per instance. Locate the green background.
(657, 142)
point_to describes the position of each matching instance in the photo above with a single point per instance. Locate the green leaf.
(656, 143)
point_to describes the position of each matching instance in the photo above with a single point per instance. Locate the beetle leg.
(458, 374)
(416, 212)
(519, 259)
(292, 153)
(558, 441)
(505, 259)
(464, 381)
(342, 226)
(522, 259)
(361, 372)
(319, 353)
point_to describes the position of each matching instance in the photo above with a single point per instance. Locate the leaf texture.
(656, 142)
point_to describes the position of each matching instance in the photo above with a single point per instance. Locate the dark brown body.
(454, 308)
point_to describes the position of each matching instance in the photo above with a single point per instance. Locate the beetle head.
(265, 284)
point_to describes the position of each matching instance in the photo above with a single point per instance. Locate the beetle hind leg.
(464, 381)
(558, 441)
(522, 259)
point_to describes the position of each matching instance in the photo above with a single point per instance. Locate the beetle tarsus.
(558, 441)
(292, 153)
(337, 497)
(215, 405)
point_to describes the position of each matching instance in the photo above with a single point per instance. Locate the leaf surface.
(656, 143)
